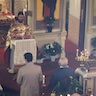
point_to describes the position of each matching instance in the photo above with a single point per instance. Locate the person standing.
(20, 18)
(29, 76)
(60, 75)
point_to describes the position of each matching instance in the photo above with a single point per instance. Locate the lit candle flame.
(43, 79)
(77, 52)
(68, 95)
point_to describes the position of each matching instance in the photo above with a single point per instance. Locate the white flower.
(47, 46)
(51, 45)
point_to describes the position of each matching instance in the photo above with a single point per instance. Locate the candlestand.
(82, 57)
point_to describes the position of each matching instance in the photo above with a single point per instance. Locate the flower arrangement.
(49, 20)
(72, 86)
(52, 49)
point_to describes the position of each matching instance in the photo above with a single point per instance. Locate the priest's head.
(20, 17)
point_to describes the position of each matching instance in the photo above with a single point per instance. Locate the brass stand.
(43, 89)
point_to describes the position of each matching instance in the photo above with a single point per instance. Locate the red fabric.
(46, 11)
(5, 56)
(2, 55)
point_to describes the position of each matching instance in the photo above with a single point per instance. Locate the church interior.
(68, 24)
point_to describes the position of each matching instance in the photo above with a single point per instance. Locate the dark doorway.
(67, 15)
(82, 24)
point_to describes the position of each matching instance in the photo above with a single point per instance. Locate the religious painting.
(94, 12)
(45, 8)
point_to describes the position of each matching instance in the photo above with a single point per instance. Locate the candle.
(43, 79)
(53, 94)
(87, 55)
(81, 54)
(85, 52)
(77, 52)
(68, 95)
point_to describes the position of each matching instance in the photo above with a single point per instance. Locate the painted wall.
(4, 5)
(19, 5)
(75, 8)
(74, 20)
(94, 14)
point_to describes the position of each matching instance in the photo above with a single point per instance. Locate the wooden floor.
(12, 88)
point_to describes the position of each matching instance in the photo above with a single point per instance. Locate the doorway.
(82, 24)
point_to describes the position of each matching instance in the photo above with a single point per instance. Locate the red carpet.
(2, 55)
(70, 50)
(69, 46)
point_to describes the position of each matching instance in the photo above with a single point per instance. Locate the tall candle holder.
(82, 56)
(43, 85)
(43, 82)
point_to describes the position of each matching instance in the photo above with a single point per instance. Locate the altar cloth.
(19, 48)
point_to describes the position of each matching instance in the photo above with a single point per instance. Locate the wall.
(75, 8)
(4, 5)
(18, 5)
(74, 18)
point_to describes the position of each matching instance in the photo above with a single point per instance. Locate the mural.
(49, 7)
(39, 11)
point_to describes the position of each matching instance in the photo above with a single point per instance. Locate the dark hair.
(20, 13)
(28, 57)
(16, 18)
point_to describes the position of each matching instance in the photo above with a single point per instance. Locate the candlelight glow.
(68, 95)
(43, 79)
(82, 55)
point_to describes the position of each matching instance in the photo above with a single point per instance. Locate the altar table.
(88, 80)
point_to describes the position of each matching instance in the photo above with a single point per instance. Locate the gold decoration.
(18, 31)
(82, 56)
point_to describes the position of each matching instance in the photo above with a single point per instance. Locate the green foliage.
(72, 86)
(49, 20)
(52, 48)
(75, 86)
